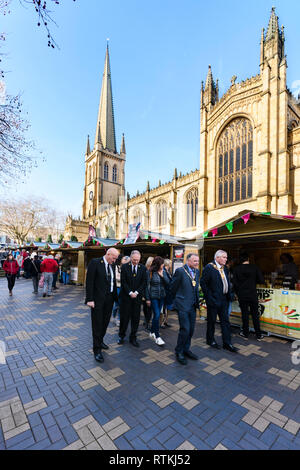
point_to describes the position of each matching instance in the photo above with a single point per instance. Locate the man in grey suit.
(184, 289)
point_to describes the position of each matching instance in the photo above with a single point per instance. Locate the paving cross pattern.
(54, 395)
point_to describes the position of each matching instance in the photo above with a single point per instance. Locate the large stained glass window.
(235, 162)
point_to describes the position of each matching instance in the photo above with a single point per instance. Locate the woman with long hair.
(155, 295)
(11, 269)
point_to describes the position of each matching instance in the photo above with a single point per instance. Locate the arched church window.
(161, 213)
(235, 162)
(105, 171)
(191, 207)
(115, 174)
(90, 174)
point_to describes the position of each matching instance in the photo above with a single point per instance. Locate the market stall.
(265, 237)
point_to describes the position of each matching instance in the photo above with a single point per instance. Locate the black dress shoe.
(104, 346)
(230, 348)
(181, 359)
(134, 343)
(191, 355)
(121, 341)
(214, 345)
(99, 357)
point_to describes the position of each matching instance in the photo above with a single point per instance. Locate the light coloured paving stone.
(35, 405)
(96, 429)
(5, 412)
(292, 427)
(158, 356)
(223, 365)
(107, 379)
(38, 321)
(113, 424)
(170, 393)
(83, 422)
(106, 443)
(220, 447)
(71, 326)
(264, 412)
(7, 424)
(61, 341)
(44, 366)
(93, 446)
(17, 430)
(289, 379)
(85, 435)
(186, 445)
(118, 431)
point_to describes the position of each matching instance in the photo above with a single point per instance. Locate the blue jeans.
(156, 305)
(65, 277)
(187, 325)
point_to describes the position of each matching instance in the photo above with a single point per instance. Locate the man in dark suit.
(184, 289)
(245, 278)
(215, 286)
(133, 285)
(101, 292)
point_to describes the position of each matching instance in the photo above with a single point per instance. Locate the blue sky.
(159, 53)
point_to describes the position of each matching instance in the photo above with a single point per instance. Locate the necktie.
(108, 274)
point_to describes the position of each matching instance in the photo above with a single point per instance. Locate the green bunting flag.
(162, 242)
(229, 226)
(266, 213)
(205, 234)
(146, 237)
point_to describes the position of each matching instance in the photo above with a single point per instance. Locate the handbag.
(41, 281)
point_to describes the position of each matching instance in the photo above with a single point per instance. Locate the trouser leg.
(255, 317)
(211, 320)
(225, 324)
(124, 317)
(135, 318)
(244, 306)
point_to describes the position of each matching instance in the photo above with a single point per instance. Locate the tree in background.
(74, 239)
(61, 238)
(49, 239)
(29, 217)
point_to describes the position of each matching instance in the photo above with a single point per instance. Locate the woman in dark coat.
(155, 295)
(11, 269)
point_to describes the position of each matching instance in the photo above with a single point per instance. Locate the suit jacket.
(97, 284)
(245, 278)
(181, 289)
(212, 285)
(131, 283)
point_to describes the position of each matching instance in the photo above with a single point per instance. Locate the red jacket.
(11, 267)
(49, 266)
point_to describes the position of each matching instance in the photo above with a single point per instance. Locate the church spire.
(123, 148)
(211, 90)
(88, 147)
(105, 132)
(273, 27)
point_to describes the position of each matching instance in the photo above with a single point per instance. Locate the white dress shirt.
(111, 273)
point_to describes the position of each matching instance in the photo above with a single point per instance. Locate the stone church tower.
(104, 166)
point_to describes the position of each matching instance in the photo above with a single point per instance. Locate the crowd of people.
(44, 270)
(120, 286)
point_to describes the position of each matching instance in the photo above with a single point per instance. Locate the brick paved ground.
(53, 395)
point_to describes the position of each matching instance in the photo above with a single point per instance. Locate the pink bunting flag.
(214, 232)
(246, 217)
(288, 216)
(154, 240)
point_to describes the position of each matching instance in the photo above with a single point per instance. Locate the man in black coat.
(101, 292)
(133, 285)
(245, 278)
(184, 288)
(215, 286)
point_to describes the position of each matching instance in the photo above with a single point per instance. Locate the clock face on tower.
(91, 195)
